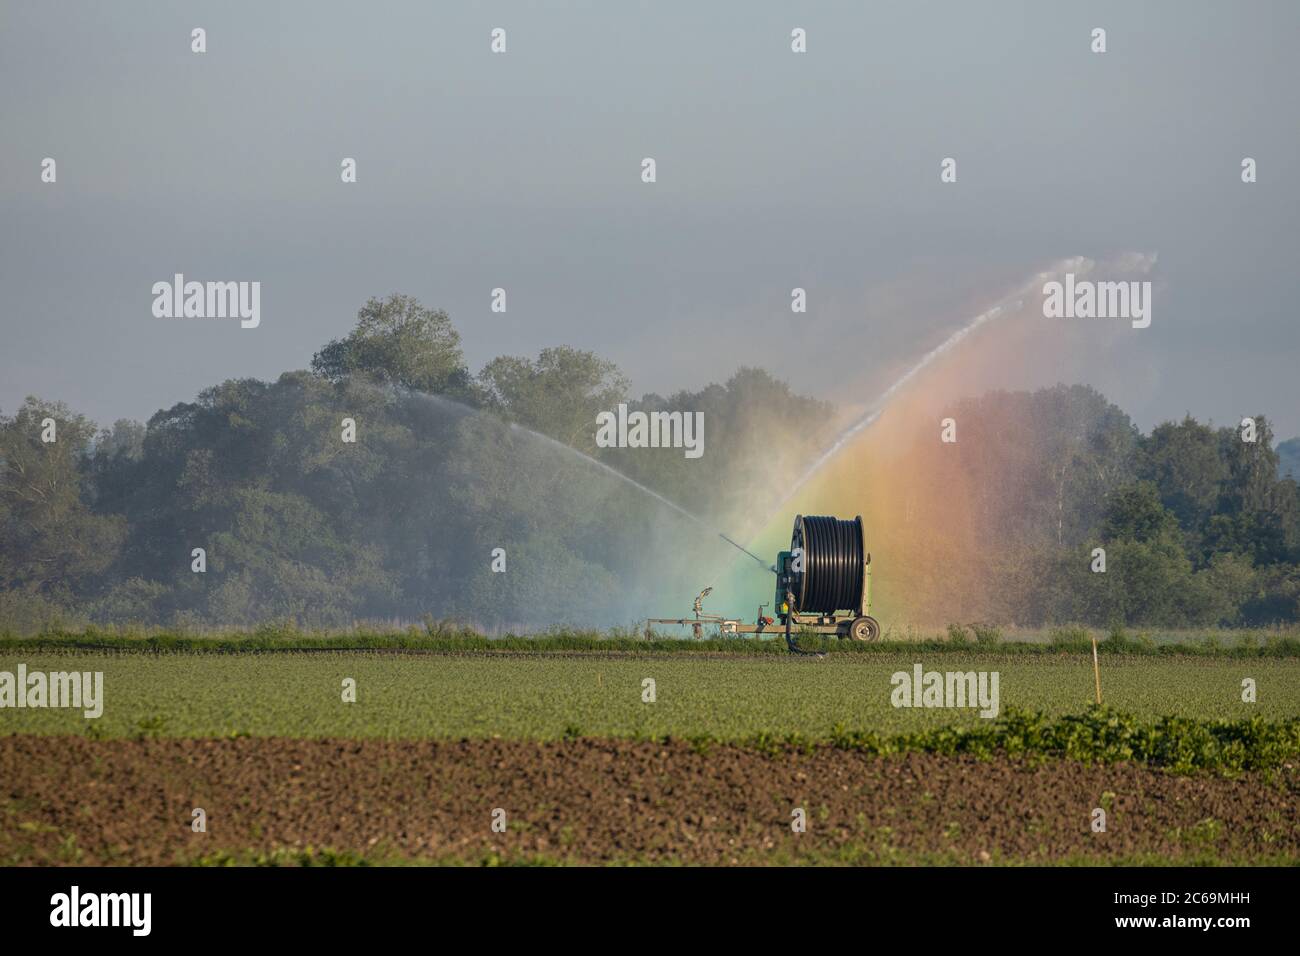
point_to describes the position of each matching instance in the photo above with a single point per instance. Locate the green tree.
(1137, 513)
(1257, 513)
(1185, 462)
(1252, 469)
(51, 542)
(398, 341)
(558, 395)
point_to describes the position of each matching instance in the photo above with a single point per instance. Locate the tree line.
(447, 471)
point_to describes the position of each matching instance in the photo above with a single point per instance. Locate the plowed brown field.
(67, 799)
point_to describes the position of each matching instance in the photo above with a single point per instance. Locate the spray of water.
(1079, 265)
(461, 409)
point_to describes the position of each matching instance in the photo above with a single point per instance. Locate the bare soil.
(73, 800)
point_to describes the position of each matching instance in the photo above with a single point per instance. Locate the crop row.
(412, 696)
(958, 639)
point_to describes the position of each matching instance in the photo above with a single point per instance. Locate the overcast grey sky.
(522, 170)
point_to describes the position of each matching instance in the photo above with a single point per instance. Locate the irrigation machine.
(823, 584)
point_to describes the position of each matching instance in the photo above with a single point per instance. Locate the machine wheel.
(864, 629)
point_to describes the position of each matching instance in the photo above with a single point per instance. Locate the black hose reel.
(829, 572)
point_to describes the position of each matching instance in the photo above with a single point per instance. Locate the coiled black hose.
(833, 553)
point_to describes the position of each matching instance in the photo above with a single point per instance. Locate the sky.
(775, 170)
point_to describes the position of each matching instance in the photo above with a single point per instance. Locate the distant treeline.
(1192, 524)
(297, 524)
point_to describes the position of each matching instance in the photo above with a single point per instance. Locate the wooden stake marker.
(1096, 669)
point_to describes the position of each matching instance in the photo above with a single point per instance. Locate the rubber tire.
(864, 629)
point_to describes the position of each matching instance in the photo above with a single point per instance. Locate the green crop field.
(546, 697)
